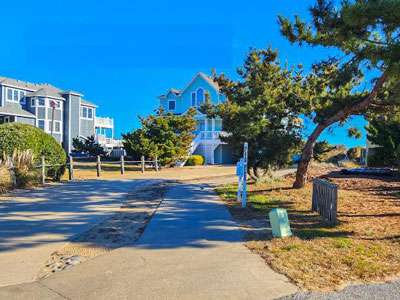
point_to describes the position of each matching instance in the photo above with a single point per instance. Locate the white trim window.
(56, 102)
(41, 124)
(10, 94)
(193, 99)
(33, 102)
(22, 99)
(200, 96)
(14, 95)
(171, 105)
(57, 127)
(41, 101)
(87, 113)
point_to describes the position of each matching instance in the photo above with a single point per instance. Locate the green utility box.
(279, 220)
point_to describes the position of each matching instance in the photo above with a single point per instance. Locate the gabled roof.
(14, 109)
(47, 91)
(180, 92)
(176, 92)
(209, 80)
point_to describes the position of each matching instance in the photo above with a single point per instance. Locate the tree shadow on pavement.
(55, 213)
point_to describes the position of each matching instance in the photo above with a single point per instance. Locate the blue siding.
(184, 101)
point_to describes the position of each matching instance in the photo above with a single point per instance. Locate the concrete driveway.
(35, 223)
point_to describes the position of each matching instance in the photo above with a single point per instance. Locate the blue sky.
(122, 54)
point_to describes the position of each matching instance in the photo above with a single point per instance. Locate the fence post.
(142, 163)
(71, 168)
(98, 166)
(43, 170)
(122, 165)
(156, 164)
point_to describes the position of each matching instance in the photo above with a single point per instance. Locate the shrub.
(195, 160)
(17, 136)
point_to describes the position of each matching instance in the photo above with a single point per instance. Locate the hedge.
(23, 137)
(195, 160)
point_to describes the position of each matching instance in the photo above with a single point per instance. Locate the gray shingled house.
(36, 104)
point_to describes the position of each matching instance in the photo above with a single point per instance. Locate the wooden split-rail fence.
(71, 164)
(324, 200)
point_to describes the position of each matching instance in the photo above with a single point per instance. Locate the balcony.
(108, 142)
(211, 135)
(104, 122)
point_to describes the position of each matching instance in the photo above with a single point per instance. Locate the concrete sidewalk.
(191, 249)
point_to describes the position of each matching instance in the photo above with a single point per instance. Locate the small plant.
(7, 176)
(21, 168)
(195, 160)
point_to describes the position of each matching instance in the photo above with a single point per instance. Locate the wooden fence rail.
(324, 200)
(71, 165)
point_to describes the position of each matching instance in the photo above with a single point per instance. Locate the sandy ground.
(185, 173)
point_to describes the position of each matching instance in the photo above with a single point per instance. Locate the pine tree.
(384, 131)
(368, 34)
(262, 109)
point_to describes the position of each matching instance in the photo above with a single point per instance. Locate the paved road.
(191, 249)
(33, 224)
(386, 291)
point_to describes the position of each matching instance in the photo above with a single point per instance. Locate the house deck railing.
(211, 135)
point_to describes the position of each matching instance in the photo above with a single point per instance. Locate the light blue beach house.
(207, 141)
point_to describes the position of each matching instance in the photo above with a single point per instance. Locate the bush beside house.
(195, 160)
(25, 145)
(163, 135)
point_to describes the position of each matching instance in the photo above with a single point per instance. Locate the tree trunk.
(306, 156)
(356, 108)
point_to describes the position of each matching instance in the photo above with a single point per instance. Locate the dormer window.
(171, 105)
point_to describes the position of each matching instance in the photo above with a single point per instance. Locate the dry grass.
(17, 171)
(6, 180)
(364, 247)
(112, 171)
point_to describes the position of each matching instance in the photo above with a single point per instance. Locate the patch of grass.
(363, 247)
(342, 243)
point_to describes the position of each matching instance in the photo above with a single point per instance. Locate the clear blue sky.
(122, 54)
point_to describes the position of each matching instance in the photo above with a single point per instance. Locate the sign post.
(241, 172)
